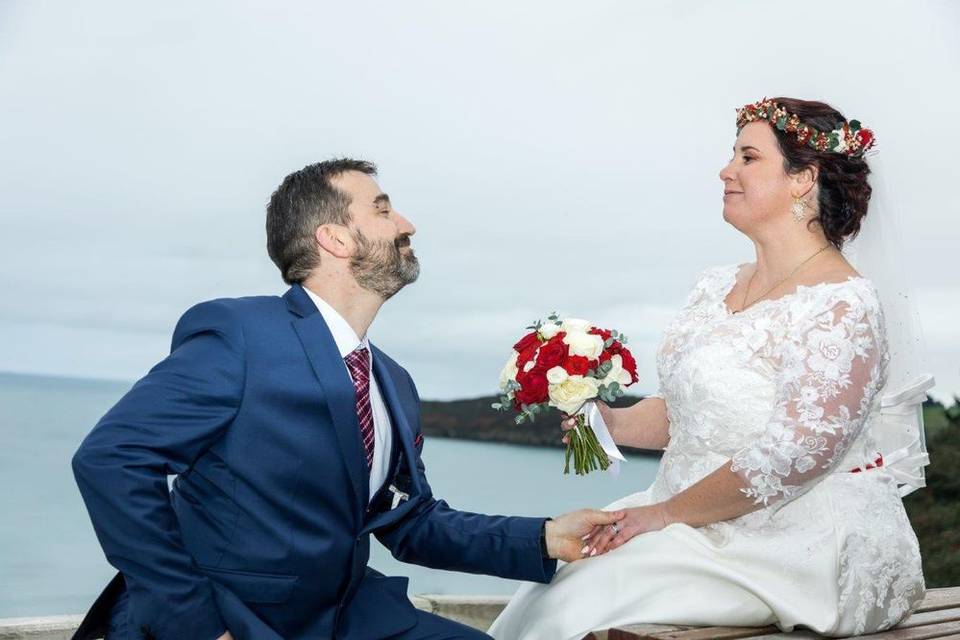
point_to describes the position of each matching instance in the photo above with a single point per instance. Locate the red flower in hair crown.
(848, 138)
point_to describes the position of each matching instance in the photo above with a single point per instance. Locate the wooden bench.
(937, 617)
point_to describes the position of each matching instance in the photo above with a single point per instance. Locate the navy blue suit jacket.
(266, 531)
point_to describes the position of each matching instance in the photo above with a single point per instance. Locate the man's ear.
(335, 239)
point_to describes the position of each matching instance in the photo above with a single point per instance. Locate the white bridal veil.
(878, 255)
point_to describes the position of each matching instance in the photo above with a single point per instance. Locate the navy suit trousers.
(429, 627)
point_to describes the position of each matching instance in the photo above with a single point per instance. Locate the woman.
(770, 505)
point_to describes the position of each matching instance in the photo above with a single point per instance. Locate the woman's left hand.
(638, 520)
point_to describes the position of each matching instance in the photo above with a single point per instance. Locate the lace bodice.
(783, 392)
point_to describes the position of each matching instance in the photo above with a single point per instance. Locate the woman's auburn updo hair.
(844, 192)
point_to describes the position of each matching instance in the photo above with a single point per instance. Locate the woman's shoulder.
(852, 303)
(847, 287)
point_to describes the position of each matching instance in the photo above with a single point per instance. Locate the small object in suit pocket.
(418, 440)
(398, 496)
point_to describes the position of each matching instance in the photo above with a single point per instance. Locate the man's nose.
(405, 226)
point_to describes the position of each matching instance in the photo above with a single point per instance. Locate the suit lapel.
(392, 399)
(336, 384)
(403, 442)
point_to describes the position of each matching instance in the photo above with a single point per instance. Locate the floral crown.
(848, 138)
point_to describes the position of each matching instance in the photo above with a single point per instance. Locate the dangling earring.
(799, 208)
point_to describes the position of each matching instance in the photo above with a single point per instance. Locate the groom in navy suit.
(293, 439)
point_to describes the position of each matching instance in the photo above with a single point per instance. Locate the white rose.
(587, 345)
(575, 325)
(557, 375)
(570, 395)
(617, 373)
(509, 372)
(549, 330)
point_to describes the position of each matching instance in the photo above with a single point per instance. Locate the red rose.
(865, 136)
(577, 365)
(527, 341)
(553, 353)
(526, 356)
(533, 387)
(611, 351)
(629, 364)
(603, 333)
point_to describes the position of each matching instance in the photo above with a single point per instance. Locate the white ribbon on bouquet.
(595, 422)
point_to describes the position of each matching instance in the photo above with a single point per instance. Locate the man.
(294, 439)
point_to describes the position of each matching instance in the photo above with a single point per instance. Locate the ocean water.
(51, 563)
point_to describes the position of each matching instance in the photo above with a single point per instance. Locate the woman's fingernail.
(583, 551)
(585, 536)
(593, 553)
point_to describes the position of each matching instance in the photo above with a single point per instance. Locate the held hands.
(636, 521)
(566, 533)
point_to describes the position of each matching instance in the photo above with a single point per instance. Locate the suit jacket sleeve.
(436, 536)
(160, 427)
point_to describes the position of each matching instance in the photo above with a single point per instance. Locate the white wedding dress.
(784, 393)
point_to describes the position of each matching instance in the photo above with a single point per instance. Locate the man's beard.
(381, 267)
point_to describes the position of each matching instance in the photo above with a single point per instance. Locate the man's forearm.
(439, 537)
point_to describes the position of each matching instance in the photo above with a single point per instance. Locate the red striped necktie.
(358, 362)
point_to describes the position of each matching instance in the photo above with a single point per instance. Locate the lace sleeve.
(831, 371)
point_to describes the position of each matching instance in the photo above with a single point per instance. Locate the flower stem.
(585, 450)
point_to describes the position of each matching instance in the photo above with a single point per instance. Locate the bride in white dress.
(772, 503)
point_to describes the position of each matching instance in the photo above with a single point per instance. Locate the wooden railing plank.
(939, 610)
(930, 617)
(925, 632)
(946, 598)
(704, 633)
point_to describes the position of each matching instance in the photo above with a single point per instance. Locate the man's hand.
(566, 533)
(226, 636)
(636, 521)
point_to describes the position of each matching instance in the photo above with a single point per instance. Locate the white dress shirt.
(347, 341)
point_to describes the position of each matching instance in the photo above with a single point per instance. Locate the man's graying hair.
(305, 200)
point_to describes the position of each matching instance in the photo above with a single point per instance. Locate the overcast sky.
(553, 155)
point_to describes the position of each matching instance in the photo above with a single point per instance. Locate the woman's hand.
(568, 422)
(636, 521)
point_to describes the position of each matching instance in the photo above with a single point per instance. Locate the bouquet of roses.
(565, 364)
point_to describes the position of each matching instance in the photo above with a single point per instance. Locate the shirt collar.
(343, 334)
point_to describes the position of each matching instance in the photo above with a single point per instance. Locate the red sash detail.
(876, 463)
